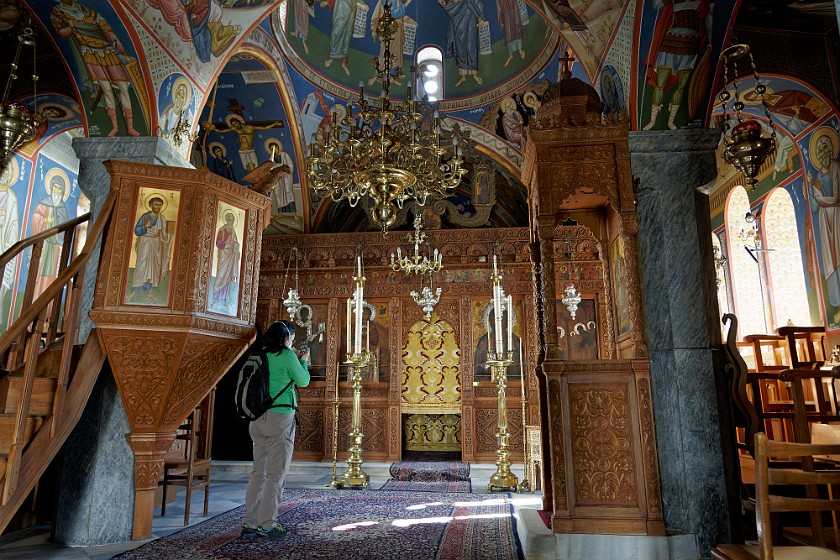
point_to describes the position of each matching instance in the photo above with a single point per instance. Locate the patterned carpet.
(463, 486)
(357, 524)
(430, 471)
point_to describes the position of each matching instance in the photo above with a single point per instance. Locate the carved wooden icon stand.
(172, 308)
(601, 470)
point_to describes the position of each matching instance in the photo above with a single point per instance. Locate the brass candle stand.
(503, 479)
(355, 476)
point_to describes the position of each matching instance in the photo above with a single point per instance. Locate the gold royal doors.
(431, 387)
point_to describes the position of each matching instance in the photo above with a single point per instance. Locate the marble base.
(95, 504)
(539, 543)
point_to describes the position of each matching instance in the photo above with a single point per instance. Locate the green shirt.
(285, 367)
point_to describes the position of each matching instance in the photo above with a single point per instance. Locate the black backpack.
(252, 395)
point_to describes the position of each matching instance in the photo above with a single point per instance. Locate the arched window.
(429, 79)
(744, 266)
(786, 273)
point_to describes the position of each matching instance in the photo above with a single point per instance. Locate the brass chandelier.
(417, 263)
(386, 152)
(744, 145)
(17, 124)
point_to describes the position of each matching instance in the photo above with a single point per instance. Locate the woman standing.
(273, 434)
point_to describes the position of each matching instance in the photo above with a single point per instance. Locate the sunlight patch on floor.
(351, 526)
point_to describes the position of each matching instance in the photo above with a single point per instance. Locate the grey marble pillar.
(96, 501)
(95, 182)
(96, 498)
(682, 330)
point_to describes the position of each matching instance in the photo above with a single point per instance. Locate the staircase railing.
(39, 324)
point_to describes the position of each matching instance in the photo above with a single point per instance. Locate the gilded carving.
(602, 444)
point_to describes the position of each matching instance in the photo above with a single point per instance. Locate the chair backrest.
(805, 344)
(744, 414)
(769, 351)
(193, 439)
(815, 477)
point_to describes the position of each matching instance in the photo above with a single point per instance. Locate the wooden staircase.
(47, 378)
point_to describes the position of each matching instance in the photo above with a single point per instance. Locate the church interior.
(596, 240)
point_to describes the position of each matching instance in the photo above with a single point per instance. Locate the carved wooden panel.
(374, 429)
(198, 372)
(602, 440)
(309, 438)
(486, 420)
(558, 445)
(602, 445)
(147, 360)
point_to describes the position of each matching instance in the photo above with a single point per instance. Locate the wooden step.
(7, 426)
(41, 402)
(49, 362)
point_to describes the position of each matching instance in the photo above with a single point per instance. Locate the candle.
(495, 270)
(348, 325)
(273, 147)
(367, 337)
(510, 322)
(497, 311)
(359, 296)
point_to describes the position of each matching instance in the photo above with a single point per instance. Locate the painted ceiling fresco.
(163, 67)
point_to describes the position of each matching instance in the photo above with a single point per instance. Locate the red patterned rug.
(357, 524)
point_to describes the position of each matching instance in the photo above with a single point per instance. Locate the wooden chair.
(189, 464)
(767, 502)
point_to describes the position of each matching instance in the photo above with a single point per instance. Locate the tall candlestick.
(510, 322)
(348, 327)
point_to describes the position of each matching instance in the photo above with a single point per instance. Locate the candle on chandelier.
(510, 322)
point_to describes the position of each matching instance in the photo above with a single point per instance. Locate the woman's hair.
(277, 336)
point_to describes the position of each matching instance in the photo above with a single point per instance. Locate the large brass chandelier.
(386, 152)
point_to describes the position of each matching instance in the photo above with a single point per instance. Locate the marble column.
(97, 480)
(683, 331)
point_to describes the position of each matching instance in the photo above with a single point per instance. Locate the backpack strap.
(277, 396)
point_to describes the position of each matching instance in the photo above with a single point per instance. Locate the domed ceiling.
(185, 70)
(316, 38)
